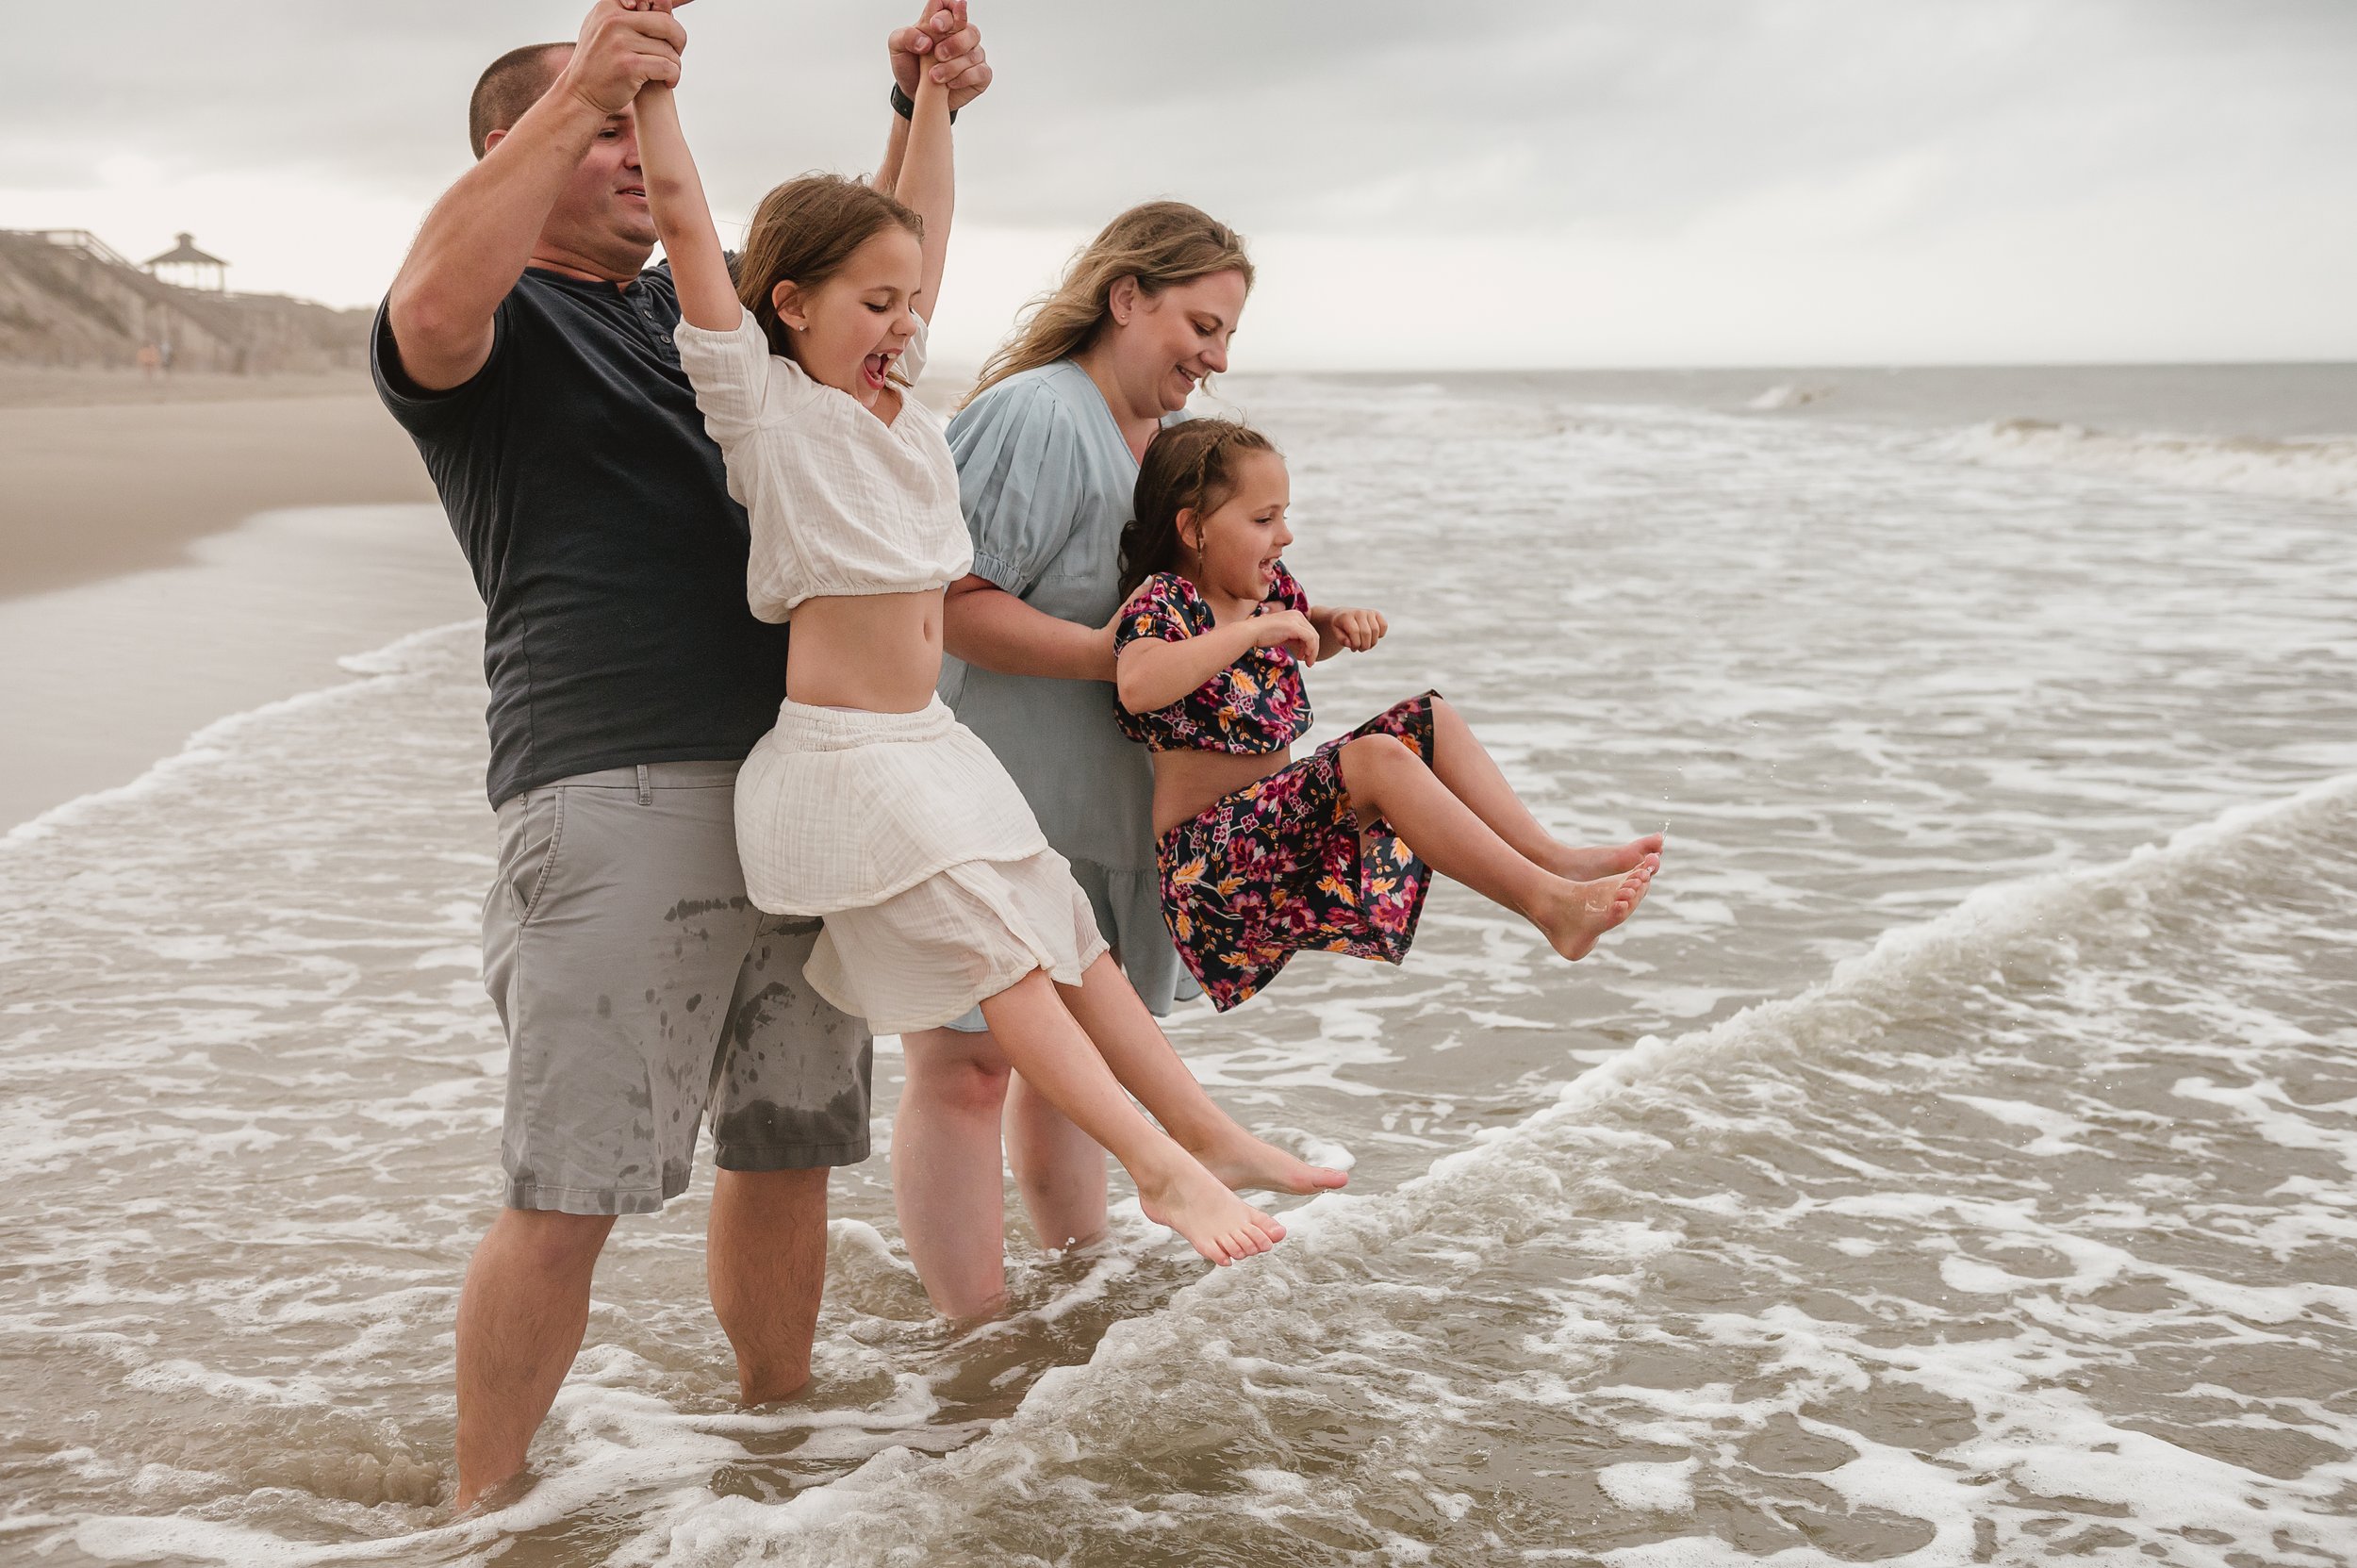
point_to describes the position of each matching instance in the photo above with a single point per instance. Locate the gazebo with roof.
(189, 266)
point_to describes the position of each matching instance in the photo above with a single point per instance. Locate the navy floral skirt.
(1279, 867)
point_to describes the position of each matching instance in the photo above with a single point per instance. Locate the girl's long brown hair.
(1159, 243)
(803, 232)
(1190, 466)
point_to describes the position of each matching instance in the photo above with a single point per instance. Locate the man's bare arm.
(478, 239)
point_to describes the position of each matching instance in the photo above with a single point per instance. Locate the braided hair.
(1189, 467)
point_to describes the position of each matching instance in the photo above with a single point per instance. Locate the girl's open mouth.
(874, 368)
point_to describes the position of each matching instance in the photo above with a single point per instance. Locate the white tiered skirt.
(905, 835)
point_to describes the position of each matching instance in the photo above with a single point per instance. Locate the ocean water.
(1954, 1162)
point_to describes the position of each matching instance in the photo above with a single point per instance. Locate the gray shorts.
(641, 987)
(1129, 910)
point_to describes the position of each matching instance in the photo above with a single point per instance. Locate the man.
(529, 356)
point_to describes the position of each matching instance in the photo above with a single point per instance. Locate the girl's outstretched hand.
(1285, 629)
(1359, 630)
(945, 41)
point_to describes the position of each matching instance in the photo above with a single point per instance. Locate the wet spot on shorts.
(695, 1001)
(605, 1007)
(674, 1177)
(687, 909)
(765, 1127)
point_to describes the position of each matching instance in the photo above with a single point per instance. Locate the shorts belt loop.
(646, 788)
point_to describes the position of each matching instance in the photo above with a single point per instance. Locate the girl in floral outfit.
(1261, 856)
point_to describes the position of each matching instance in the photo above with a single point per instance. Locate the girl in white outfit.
(868, 803)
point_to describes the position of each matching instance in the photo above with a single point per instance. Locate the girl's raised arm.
(928, 184)
(682, 219)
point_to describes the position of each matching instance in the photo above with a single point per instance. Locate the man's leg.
(765, 1260)
(520, 1318)
(789, 1100)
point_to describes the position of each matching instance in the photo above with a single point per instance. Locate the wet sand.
(179, 550)
(111, 473)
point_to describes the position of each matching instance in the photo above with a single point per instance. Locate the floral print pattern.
(1255, 707)
(1281, 866)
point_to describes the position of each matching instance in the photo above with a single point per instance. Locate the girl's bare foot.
(1580, 911)
(1575, 864)
(1192, 1201)
(1244, 1161)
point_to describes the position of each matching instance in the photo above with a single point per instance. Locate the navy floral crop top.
(1254, 706)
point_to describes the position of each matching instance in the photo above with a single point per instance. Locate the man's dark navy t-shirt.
(596, 515)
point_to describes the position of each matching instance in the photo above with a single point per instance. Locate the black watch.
(905, 107)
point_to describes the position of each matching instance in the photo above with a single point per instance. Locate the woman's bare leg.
(1059, 1168)
(1043, 1042)
(946, 1169)
(1474, 777)
(1388, 780)
(1140, 1054)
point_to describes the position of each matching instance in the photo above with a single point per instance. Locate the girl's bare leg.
(1140, 1054)
(1474, 777)
(945, 1171)
(1386, 780)
(1044, 1043)
(1059, 1168)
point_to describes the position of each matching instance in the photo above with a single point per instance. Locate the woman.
(1048, 448)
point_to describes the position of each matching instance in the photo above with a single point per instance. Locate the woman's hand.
(1285, 629)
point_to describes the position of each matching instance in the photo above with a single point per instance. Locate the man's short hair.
(508, 86)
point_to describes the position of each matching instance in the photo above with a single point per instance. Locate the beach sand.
(111, 473)
(176, 551)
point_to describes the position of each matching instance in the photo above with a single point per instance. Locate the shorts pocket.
(528, 849)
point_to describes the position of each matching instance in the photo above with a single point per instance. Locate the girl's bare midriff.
(1187, 782)
(878, 652)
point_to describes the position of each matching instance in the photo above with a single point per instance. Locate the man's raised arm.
(479, 237)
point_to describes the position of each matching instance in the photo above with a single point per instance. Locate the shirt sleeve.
(913, 357)
(1287, 593)
(1020, 482)
(421, 412)
(1155, 610)
(730, 372)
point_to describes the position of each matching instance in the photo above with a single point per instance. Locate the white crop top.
(841, 503)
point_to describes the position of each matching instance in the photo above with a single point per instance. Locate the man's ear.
(492, 139)
(786, 298)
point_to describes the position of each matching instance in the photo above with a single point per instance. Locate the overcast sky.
(1461, 182)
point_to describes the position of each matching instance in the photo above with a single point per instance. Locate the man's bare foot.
(1583, 911)
(1246, 1163)
(1575, 864)
(1192, 1201)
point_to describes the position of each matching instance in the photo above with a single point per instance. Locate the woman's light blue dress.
(1045, 481)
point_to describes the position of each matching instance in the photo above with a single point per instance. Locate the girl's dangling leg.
(1386, 780)
(1044, 1043)
(1140, 1054)
(1474, 777)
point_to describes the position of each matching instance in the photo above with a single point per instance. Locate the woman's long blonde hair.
(1159, 243)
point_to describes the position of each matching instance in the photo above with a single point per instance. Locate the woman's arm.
(682, 219)
(985, 625)
(927, 184)
(1152, 674)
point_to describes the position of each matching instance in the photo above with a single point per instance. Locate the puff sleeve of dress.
(1021, 481)
(1158, 610)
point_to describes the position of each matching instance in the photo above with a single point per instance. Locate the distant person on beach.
(1048, 448)
(869, 804)
(1262, 856)
(529, 351)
